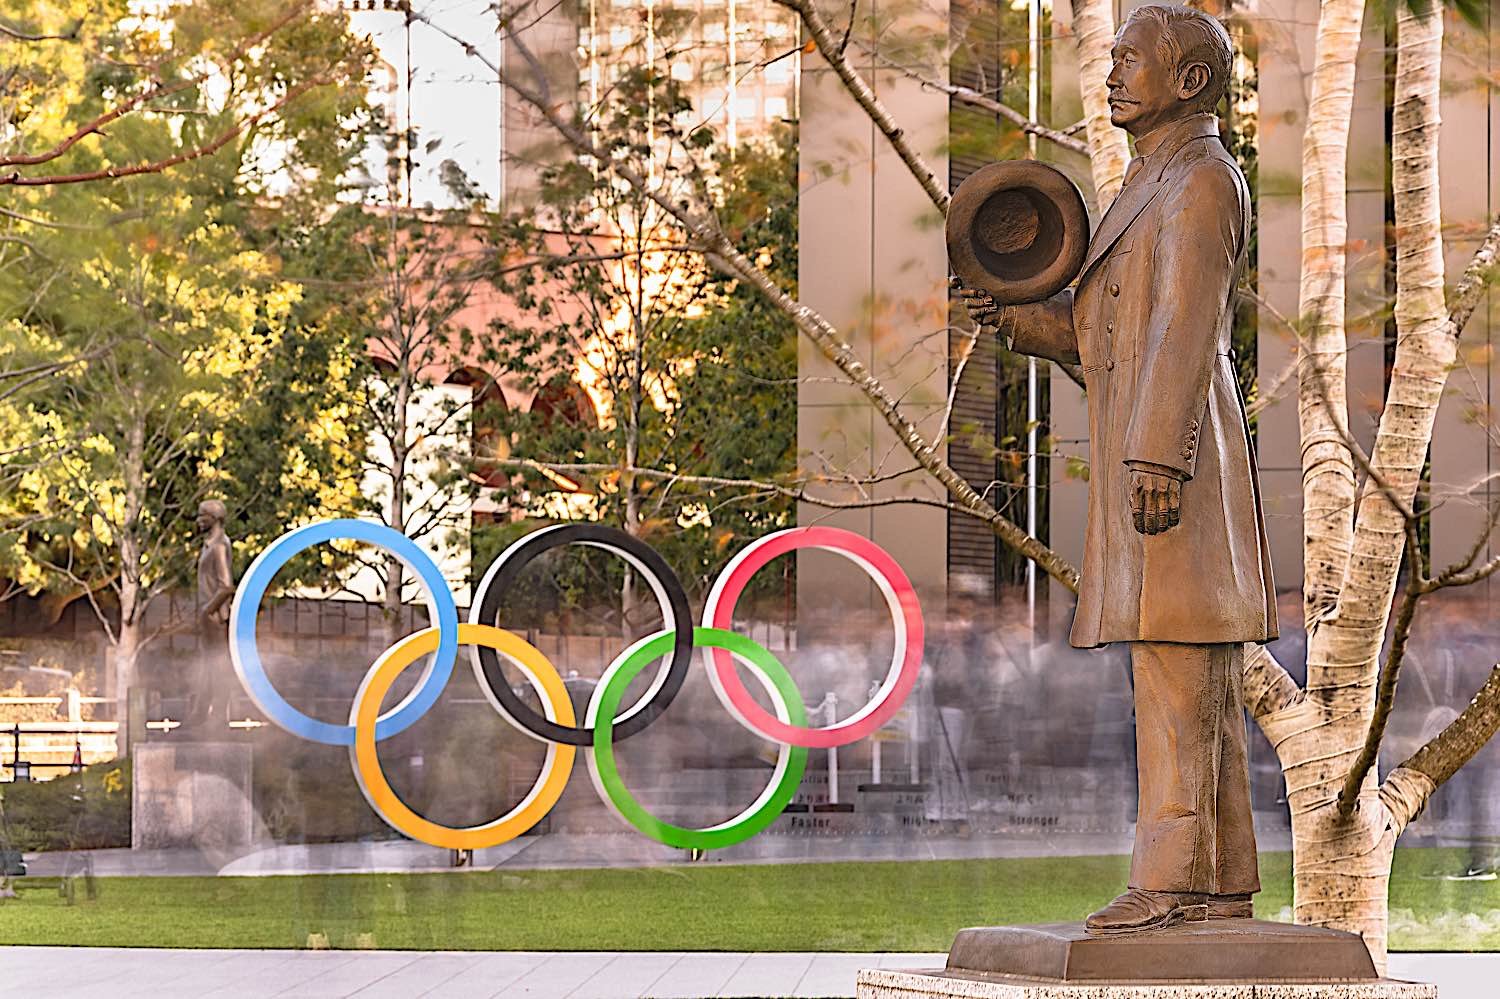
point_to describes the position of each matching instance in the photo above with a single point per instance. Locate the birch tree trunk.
(1342, 862)
(395, 569)
(132, 592)
(1322, 396)
(127, 637)
(1109, 151)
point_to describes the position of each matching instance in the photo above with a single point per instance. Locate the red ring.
(884, 569)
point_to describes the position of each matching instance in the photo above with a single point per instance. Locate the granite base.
(941, 984)
(192, 794)
(1211, 950)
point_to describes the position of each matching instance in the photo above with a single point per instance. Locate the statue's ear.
(1193, 80)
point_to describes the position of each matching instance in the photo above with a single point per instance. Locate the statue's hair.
(214, 508)
(1189, 36)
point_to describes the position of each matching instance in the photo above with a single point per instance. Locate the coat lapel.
(1125, 210)
(1135, 198)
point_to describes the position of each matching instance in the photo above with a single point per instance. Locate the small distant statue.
(209, 703)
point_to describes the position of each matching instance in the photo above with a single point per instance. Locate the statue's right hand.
(979, 303)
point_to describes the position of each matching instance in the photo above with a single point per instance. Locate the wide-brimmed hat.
(1017, 229)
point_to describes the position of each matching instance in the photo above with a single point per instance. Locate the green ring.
(605, 703)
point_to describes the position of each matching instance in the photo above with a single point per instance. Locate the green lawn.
(850, 906)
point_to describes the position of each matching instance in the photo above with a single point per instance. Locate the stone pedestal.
(191, 794)
(892, 984)
(1214, 959)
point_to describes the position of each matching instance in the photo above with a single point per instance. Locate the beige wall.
(1286, 33)
(873, 262)
(1463, 449)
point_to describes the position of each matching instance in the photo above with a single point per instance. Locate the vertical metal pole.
(406, 135)
(832, 718)
(1033, 107)
(913, 733)
(734, 132)
(593, 55)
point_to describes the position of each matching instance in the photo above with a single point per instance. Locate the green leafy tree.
(185, 362)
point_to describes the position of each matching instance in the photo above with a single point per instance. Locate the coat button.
(1114, 290)
(1109, 365)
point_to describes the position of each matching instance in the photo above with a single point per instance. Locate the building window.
(775, 108)
(682, 71)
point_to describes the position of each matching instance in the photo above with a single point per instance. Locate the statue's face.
(1144, 90)
(205, 520)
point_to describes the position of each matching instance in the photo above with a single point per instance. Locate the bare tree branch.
(828, 46)
(1475, 280)
(983, 102)
(10, 31)
(1385, 699)
(97, 125)
(15, 179)
(1441, 757)
(762, 486)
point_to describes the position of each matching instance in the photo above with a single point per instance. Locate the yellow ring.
(366, 761)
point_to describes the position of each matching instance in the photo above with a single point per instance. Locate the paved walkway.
(167, 974)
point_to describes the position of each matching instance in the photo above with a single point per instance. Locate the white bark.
(1342, 857)
(1426, 347)
(1109, 150)
(1327, 466)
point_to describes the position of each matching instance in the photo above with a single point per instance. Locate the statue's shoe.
(1140, 909)
(1231, 907)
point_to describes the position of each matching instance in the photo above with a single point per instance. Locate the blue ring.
(246, 606)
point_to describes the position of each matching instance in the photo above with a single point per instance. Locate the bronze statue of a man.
(210, 699)
(1176, 561)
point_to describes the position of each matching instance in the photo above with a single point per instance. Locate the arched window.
(564, 399)
(488, 438)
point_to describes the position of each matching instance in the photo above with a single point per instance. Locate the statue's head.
(211, 513)
(1169, 62)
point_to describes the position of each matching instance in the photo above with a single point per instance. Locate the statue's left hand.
(1155, 501)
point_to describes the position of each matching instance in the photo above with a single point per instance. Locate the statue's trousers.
(1194, 831)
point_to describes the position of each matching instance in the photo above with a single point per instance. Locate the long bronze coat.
(1150, 324)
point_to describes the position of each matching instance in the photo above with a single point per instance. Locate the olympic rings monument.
(1043, 961)
(555, 725)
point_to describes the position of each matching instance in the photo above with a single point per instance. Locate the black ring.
(505, 571)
